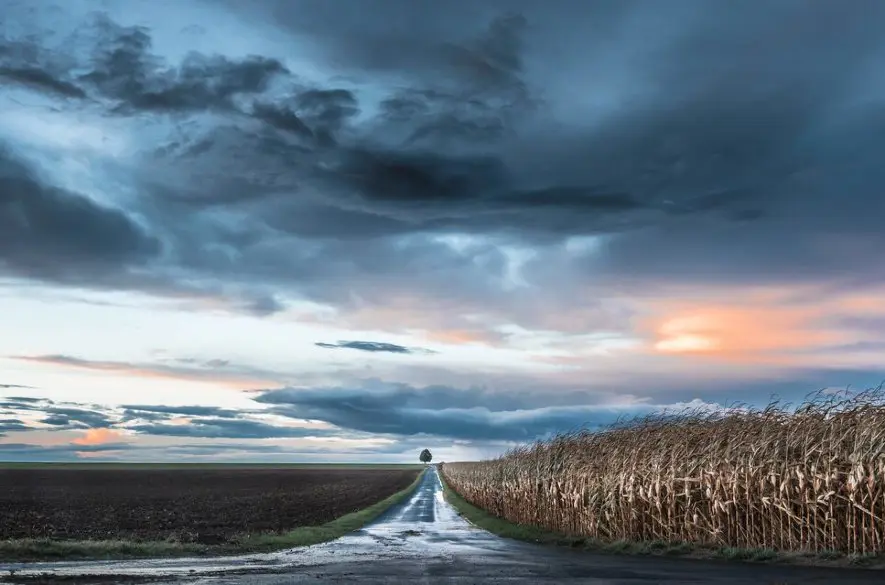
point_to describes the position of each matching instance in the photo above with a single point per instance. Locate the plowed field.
(209, 506)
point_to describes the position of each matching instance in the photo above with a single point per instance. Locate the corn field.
(810, 478)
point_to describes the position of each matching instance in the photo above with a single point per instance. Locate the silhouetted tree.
(426, 456)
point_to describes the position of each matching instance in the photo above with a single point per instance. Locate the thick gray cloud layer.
(73, 418)
(374, 408)
(714, 135)
(11, 424)
(397, 411)
(156, 420)
(705, 142)
(226, 428)
(438, 411)
(161, 411)
(46, 231)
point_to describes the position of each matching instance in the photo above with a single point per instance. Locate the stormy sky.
(301, 230)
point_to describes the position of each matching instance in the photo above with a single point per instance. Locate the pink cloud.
(98, 437)
(214, 376)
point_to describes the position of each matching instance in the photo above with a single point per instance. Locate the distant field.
(199, 504)
(115, 465)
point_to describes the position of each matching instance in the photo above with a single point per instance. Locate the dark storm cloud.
(40, 79)
(723, 144)
(282, 118)
(60, 416)
(74, 418)
(48, 232)
(139, 410)
(404, 410)
(143, 415)
(708, 141)
(125, 69)
(265, 305)
(25, 63)
(315, 114)
(11, 424)
(433, 115)
(226, 428)
(375, 346)
(19, 404)
(151, 419)
(468, 47)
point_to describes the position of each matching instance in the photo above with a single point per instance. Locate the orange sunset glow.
(98, 437)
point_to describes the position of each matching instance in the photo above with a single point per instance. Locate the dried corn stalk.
(811, 478)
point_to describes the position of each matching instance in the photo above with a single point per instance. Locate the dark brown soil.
(209, 506)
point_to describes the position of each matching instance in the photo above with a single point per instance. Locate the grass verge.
(31, 550)
(506, 529)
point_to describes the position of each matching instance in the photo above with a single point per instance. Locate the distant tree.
(426, 456)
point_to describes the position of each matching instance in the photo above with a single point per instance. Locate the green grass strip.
(44, 549)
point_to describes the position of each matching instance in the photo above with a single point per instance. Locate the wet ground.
(424, 541)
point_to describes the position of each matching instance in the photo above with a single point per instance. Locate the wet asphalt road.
(424, 541)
